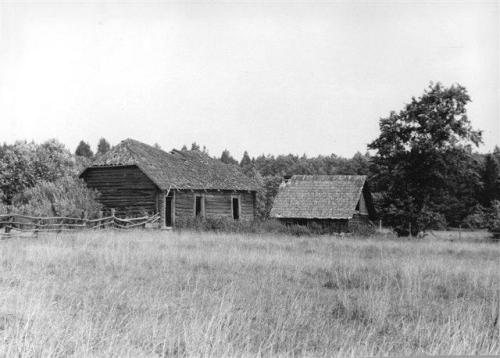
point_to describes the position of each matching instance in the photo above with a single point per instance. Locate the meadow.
(161, 294)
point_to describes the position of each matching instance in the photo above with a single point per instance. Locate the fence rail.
(16, 224)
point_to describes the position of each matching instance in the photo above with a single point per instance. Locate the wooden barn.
(333, 201)
(136, 178)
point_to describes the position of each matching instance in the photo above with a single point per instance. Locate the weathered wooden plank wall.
(217, 203)
(123, 188)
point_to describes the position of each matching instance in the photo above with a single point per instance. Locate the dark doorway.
(236, 208)
(197, 206)
(168, 210)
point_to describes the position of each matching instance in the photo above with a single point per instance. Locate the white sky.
(267, 77)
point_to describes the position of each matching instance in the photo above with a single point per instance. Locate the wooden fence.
(17, 225)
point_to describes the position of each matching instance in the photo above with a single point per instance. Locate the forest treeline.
(423, 169)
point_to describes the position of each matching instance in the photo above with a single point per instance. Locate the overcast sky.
(267, 77)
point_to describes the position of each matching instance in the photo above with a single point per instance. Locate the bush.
(224, 224)
(210, 224)
(315, 227)
(429, 219)
(477, 219)
(4, 209)
(494, 216)
(265, 196)
(65, 196)
(298, 230)
(23, 165)
(360, 228)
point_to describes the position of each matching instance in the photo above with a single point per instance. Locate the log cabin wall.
(126, 189)
(216, 203)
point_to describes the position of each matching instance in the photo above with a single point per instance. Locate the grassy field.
(158, 294)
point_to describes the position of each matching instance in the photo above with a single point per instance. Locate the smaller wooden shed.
(334, 201)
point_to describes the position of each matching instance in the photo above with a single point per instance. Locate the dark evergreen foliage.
(247, 164)
(83, 150)
(103, 146)
(491, 180)
(227, 158)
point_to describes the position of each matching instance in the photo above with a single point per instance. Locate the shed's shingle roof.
(319, 197)
(178, 169)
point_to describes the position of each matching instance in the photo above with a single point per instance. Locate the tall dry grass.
(158, 294)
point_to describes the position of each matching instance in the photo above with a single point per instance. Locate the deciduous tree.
(24, 164)
(422, 157)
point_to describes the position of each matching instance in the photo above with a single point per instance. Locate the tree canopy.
(24, 164)
(424, 162)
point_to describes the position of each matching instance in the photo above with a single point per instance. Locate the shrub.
(477, 219)
(224, 224)
(360, 228)
(429, 219)
(494, 216)
(315, 228)
(65, 196)
(271, 226)
(23, 165)
(298, 230)
(4, 209)
(265, 196)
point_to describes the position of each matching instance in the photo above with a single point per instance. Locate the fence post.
(37, 227)
(9, 225)
(113, 217)
(85, 219)
(100, 221)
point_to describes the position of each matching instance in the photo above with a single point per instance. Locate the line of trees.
(423, 172)
(456, 188)
(422, 169)
(83, 149)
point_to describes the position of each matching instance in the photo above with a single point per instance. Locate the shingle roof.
(319, 197)
(178, 169)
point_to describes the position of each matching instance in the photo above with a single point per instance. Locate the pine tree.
(103, 146)
(227, 158)
(83, 150)
(246, 164)
(491, 181)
